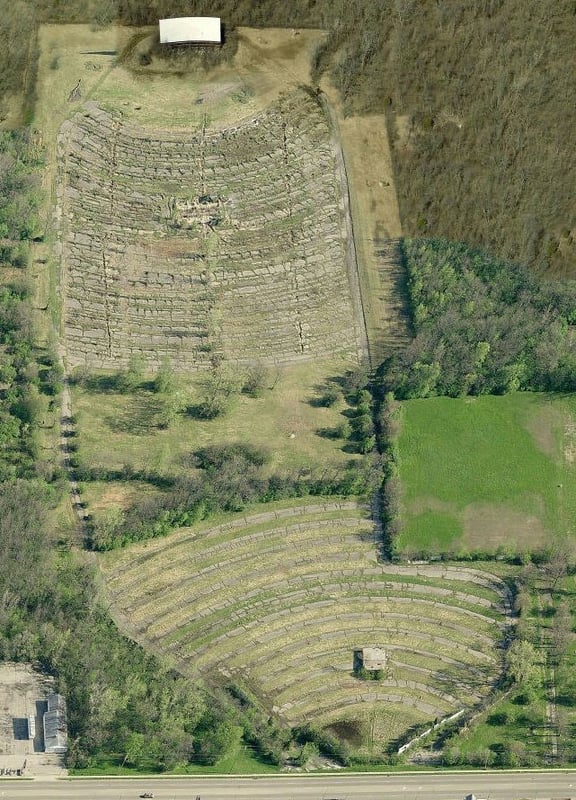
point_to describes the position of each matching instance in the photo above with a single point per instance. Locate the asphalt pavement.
(555, 785)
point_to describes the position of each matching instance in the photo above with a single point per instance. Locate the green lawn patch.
(436, 529)
(486, 473)
(240, 761)
(116, 429)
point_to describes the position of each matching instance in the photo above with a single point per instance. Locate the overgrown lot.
(159, 430)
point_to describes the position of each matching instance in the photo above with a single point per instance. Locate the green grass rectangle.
(479, 473)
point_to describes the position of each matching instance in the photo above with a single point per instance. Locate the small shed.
(191, 30)
(373, 658)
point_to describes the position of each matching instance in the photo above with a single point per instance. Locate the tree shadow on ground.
(103, 384)
(141, 417)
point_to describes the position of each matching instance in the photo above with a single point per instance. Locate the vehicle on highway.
(147, 794)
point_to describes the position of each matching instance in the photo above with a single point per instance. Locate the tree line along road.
(553, 785)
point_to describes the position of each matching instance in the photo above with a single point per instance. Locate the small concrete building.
(191, 30)
(54, 723)
(373, 658)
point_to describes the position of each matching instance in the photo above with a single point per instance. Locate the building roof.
(55, 732)
(373, 658)
(56, 702)
(190, 29)
(54, 723)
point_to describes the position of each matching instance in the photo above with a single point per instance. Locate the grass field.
(241, 760)
(117, 429)
(487, 472)
(280, 601)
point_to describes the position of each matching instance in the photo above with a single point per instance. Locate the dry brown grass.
(487, 526)
(481, 91)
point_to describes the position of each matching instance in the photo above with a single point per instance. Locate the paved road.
(494, 786)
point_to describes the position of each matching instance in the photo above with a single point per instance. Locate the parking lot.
(23, 693)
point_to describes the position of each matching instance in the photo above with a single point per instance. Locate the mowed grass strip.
(310, 708)
(159, 570)
(196, 571)
(228, 553)
(266, 614)
(313, 680)
(318, 654)
(478, 473)
(313, 694)
(209, 612)
(212, 591)
(208, 603)
(153, 555)
(342, 640)
(214, 650)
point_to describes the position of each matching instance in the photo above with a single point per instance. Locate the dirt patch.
(487, 526)
(352, 731)
(422, 504)
(402, 127)
(115, 494)
(569, 441)
(543, 426)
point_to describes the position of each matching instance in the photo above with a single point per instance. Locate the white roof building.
(193, 30)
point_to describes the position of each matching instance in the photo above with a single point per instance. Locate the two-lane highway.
(413, 786)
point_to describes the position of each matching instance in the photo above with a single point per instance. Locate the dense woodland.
(482, 326)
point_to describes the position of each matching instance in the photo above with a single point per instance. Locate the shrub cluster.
(232, 477)
(327, 744)
(261, 732)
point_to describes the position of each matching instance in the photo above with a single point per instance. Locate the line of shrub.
(232, 477)
(388, 429)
